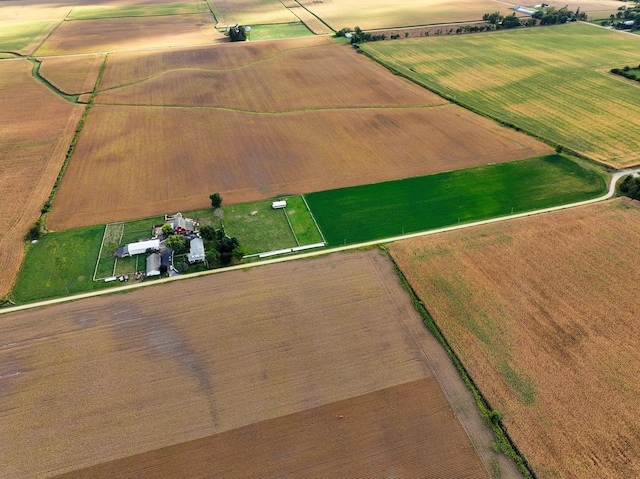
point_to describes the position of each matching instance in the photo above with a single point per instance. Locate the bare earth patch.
(267, 352)
(543, 313)
(37, 127)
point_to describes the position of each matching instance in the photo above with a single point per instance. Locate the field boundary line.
(295, 237)
(324, 240)
(104, 235)
(612, 188)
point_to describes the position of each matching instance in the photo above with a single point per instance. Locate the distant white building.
(276, 205)
(153, 264)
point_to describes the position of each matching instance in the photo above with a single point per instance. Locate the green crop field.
(23, 37)
(278, 30)
(97, 12)
(552, 82)
(383, 210)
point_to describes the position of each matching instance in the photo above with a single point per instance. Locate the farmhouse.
(196, 253)
(138, 248)
(182, 225)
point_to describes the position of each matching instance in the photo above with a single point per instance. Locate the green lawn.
(278, 30)
(552, 82)
(59, 264)
(302, 222)
(97, 12)
(382, 210)
(266, 230)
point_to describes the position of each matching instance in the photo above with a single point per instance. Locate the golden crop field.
(310, 20)
(565, 95)
(73, 74)
(279, 361)
(251, 12)
(377, 14)
(543, 313)
(294, 79)
(37, 127)
(132, 162)
(91, 36)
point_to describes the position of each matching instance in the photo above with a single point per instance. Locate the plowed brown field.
(543, 312)
(124, 68)
(402, 431)
(74, 74)
(91, 36)
(292, 80)
(310, 20)
(132, 162)
(37, 127)
(103, 379)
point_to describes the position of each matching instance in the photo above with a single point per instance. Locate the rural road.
(612, 189)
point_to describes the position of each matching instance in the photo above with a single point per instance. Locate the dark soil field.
(543, 312)
(282, 372)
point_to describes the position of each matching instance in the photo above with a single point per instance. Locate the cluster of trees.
(630, 186)
(498, 21)
(627, 72)
(237, 33)
(220, 247)
(551, 16)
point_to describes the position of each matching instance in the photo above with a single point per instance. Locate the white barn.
(279, 204)
(143, 246)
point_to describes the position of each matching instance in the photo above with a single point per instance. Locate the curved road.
(612, 189)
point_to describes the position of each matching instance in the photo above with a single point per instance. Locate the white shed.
(143, 246)
(279, 204)
(153, 264)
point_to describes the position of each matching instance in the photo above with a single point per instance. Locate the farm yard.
(369, 212)
(542, 311)
(32, 150)
(522, 78)
(286, 365)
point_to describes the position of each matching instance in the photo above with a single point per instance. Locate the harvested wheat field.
(124, 68)
(310, 20)
(339, 14)
(37, 127)
(74, 74)
(132, 162)
(251, 12)
(294, 79)
(543, 312)
(269, 357)
(91, 36)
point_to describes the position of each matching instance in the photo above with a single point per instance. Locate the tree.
(237, 33)
(216, 200)
(511, 21)
(212, 257)
(167, 229)
(208, 232)
(492, 18)
(177, 243)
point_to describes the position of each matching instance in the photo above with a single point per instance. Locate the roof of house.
(153, 264)
(196, 252)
